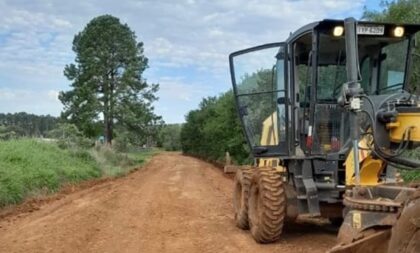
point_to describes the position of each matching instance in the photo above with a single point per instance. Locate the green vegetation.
(23, 124)
(30, 167)
(68, 136)
(115, 164)
(214, 129)
(411, 175)
(169, 137)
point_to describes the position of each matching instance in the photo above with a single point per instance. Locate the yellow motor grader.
(335, 106)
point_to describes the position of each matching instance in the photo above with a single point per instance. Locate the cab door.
(258, 78)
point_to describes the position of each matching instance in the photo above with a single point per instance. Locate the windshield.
(331, 67)
(393, 59)
(382, 70)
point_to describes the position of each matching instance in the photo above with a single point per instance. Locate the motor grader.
(336, 106)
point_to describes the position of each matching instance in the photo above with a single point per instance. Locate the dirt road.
(173, 204)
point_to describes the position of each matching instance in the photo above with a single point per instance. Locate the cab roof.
(331, 23)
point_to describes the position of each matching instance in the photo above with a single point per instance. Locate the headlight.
(338, 31)
(398, 31)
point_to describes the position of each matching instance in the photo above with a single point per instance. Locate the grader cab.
(337, 105)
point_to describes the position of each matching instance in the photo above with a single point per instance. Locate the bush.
(215, 129)
(69, 137)
(170, 137)
(121, 142)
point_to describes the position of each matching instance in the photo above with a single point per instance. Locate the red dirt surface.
(174, 204)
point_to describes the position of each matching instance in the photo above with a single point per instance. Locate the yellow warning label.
(357, 220)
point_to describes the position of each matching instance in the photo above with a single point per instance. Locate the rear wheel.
(267, 205)
(240, 196)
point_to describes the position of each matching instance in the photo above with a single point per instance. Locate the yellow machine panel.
(269, 137)
(370, 168)
(406, 121)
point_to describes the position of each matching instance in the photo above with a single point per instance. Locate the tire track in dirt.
(174, 204)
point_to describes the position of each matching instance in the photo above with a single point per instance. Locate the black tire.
(405, 237)
(267, 205)
(240, 196)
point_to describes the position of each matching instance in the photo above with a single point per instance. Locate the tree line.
(23, 124)
(214, 129)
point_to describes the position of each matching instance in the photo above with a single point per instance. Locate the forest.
(23, 124)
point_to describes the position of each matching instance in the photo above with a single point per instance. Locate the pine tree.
(107, 84)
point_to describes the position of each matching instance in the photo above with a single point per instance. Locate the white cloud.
(53, 95)
(6, 94)
(38, 102)
(36, 38)
(173, 88)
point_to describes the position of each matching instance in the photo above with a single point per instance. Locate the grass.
(30, 168)
(412, 175)
(115, 164)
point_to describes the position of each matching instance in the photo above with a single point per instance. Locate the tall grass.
(111, 163)
(114, 164)
(31, 167)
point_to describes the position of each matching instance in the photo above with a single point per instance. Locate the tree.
(107, 84)
(400, 11)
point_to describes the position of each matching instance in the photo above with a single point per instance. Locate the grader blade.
(381, 225)
(231, 169)
(376, 242)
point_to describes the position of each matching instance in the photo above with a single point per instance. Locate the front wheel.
(267, 205)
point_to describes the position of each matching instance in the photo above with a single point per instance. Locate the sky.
(187, 43)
